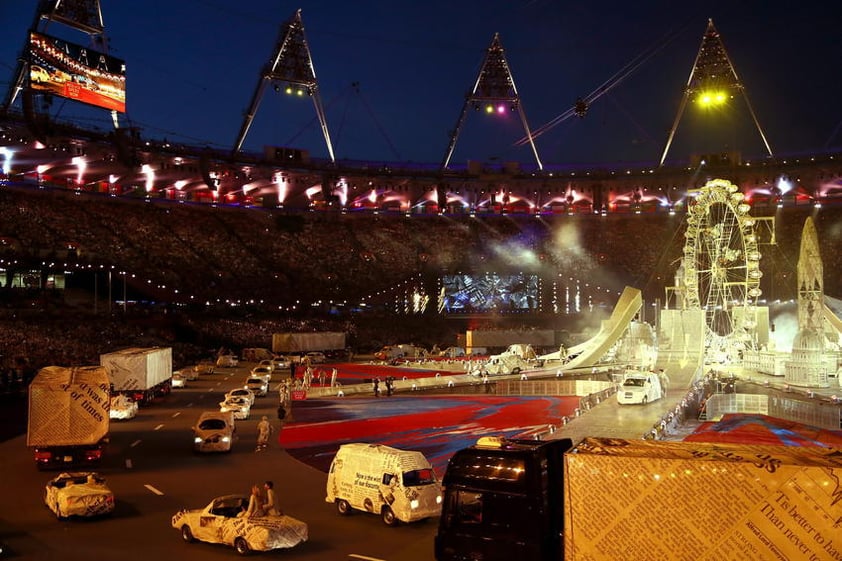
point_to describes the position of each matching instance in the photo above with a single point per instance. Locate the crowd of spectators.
(207, 253)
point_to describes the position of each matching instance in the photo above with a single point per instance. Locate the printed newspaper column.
(639, 500)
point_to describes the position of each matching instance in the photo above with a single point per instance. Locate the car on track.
(281, 362)
(179, 380)
(214, 431)
(190, 373)
(227, 361)
(268, 363)
(239, 406)
(78, 493)
(258, 386)
(222, 521)
(264, 372)
(122, 408)
(640, 387)
(316, 357)
(242, 392)
(205, 367)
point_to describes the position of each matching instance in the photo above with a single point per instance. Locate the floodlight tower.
(82, 15)
(712, 82)
(494, 90)
(292, 67)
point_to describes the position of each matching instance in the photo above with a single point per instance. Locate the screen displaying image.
(489, 292)
(76, 72)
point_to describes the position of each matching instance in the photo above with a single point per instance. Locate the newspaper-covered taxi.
(223, 521)
(79, 494)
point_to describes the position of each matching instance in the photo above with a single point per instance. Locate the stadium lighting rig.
(291, 66)
(495, 93)
(713, 82)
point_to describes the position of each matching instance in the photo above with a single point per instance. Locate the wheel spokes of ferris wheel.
(605, 87)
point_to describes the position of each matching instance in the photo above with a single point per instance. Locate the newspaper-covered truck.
(140, 373)
(399, 485)
(606, 499)
(68, 418)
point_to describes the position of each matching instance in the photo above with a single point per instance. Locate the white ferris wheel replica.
(722, 267)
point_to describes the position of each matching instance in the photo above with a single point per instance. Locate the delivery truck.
(140, 373)
(637, 500)
(68, 418)
(398, 485)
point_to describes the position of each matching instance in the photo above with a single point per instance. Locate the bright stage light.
(489, 108)
(712, 98)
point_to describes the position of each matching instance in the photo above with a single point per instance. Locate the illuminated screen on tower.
(489, 292)
(76, 72)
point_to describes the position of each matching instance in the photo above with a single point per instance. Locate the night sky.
(192, 66)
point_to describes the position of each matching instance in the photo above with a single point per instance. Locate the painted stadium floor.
(437, 426)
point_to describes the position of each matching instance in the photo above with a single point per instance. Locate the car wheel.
(389, 518)
(242, 546)
(342, 507)
(186, 534)
(645, 399)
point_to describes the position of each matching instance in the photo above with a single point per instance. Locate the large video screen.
(76, 72)
(489, 292)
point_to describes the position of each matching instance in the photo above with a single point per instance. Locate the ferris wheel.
(722, 265)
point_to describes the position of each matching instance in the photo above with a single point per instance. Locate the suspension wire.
(377, 123)
(609, 84)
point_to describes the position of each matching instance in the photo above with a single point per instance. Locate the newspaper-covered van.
(399, 485)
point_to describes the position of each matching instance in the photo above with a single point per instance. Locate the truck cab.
(504, 501)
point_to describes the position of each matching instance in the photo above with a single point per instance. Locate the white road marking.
(135, 443)
(128, 463)
(366, 557)
(154, 490)
(176, 414)
(159, 427)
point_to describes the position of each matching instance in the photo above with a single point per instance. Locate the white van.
(640, 387)
(399, 485)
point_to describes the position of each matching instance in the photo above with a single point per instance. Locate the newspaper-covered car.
(281, 362)
(240, 406)
(245, 393)
(179, 380)
(214, 432)
(223, 521)
(264, 372)
(227, 361)
(258, 386)
(122, 408)
(79, 494)
(204, 367)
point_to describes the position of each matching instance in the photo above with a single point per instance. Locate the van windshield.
(418, 477)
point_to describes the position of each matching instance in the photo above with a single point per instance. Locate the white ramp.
(592, 350)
